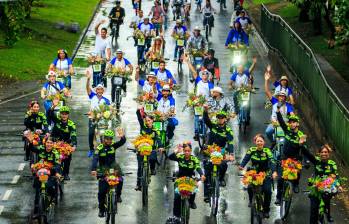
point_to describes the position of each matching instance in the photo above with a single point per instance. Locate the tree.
(341, 20)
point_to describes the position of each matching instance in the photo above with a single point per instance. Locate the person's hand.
(102, 21)
(274, 175)
(185, 57)
(121, 132)
(140, 107)
(55, 102)
(340, 189)
(266, 76)
(161, 150)
(28, 134)
(206, 107)
(241, 168)
(254, 59)
(73, 148)
(38, 131)
(268, 69)
(90, 153)
(58, 175)
(302, 139)
(203, 178)
(47, 135)
(94, 173)
(88, 74)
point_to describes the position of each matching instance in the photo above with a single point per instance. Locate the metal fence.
(333, 114)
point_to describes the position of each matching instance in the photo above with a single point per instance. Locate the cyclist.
(146, 128)
(293, 147)
(47, 153)
(104, 156)
(237, 36)
(286, 108)
(197, 41)
(283, 85)
(187, 165)
(208, 12)
(177, 5)
(117, 15)
(163, 74)
(148, 31)
(120, 62)
(212, 65)
(63, 129)
(167, 105)
(222, 135)
(244, 20)
(156, 51)
(157, 13)
(64, 64)
(180, 31)
(96, 99)
(150, 84)
(218, 102)
(262, 161)
(137, 19)
(323, 166)
(34, 120)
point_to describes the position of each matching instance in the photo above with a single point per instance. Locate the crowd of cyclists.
(47, 131)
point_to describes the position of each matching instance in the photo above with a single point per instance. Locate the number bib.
(97, 68)
(141, 42)
(155, 64)
(158, 125)
(180, 43)
(148, 108)
(198, 111)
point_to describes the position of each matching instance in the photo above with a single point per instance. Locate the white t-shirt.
(202, 88)
(146, 28)
(101, 45)
(162, 75)
(137, 20)
(241, 80)
(62, 65)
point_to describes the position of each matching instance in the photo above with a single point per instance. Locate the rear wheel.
(145, 186)
(286, 200)
(117, 98)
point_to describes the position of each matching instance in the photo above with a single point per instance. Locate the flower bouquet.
(328, 184)
(119, 71)
(239, 46)
(144, 144)
(185, 186)
(138, 34)
(58, 96)
(194, 101)
(43, 174)
(216, 158)
(95, 60)
(64, 149)
(197, 52)
(42, 164)
(103, 113)
(60, 74)
(251, 177)
(290, 169)
(158, 116)
(112, 180)
(146, 97)
(211, 149)
(36, 139)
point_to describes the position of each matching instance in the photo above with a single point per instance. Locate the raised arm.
(97, 26)
(191, 67)
(88, 78)
(266, 83)
(252, 67)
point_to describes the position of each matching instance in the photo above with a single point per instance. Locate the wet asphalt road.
(80, 201)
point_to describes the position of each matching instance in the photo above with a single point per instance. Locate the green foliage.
(341, 19)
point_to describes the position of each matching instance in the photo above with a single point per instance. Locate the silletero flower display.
(144, 144)
(186, 186)
(290, 169)
(251, 177)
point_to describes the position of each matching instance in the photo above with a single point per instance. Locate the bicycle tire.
(215, 197)
(206, 31)
(256, 216)
(185, 211)
(145, 186)
(286, 200)
(118, 98)
(42, 210)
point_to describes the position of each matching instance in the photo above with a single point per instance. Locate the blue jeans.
(197, 124)
(172, 123)
(67, 82)
(48, 105)
(270, 132)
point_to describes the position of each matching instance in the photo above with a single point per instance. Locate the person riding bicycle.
(177, 5)
(50, 89)
(103, 160)
(148, 32)
(187, 165)
(262, 161)
(63, 129)
(222, 135)
(283, 85)
(237, 36)
(218, 102)
(146, 128)
(96, 100)
(157, 13)
(120, 62)
(197, 41)
(244, 20)
(294, 147)
(137, 19)
(156, 51)
(35, 121)
(150, 84)
(323, 167)
(211, 64)
(286, 109)
(46, 152)
(164, 75)
(62, 63)
(167, 106)
(208, 12)
(117, 15)
(179, 32)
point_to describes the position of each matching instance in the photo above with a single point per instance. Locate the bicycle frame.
(46, 207)
(145, 180)
(286, 199)
(214, 190)
(111, 205)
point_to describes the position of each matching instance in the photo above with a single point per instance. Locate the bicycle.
(214, 190)
(114, 32)
(257, 205)
(279, 137)
(244, 100)
(46, 202)
(199, 111)
(161, 126)
(208, 17)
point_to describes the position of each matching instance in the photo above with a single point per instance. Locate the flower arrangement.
(186, 186)
(118, 71)
(93, 60)
(112, 180)
(64, 149)
(103, 112)
(239, 46)
(290, 169)
(195, 101)
(144, 144)
(251, 177)
(197, 52)
(36, 139)
(158, 116)
(146, 97)
(61, 73)
(324, 184)
(42, 164)
(216, 158)
(43, 174)
(58, 96)
(211, 149)
(138, 34)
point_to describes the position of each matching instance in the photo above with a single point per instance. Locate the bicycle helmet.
(293, 118)
(109, 134)
(64, 109)
(221, 114)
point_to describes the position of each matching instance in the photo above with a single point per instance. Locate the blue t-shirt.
(168, 75)
(66, 59)
(289, 107)
(127, 62)
(278, 88)
(235, 74)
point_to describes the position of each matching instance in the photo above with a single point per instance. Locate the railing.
(300, 58)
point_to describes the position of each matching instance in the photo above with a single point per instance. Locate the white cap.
(166, 87)
(100, 86)
(197, 28)
(217, 89)
(151, 74)
(119, 51)
(50, 73)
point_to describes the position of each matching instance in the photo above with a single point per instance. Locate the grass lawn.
(30, 57)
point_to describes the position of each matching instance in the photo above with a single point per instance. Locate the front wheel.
(185, 211)
(145, 186)
(215, 197)
(256, 215)
(286, 200)
(42, 210)
(118, 98)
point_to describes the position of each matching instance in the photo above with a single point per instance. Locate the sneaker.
(277, 202)
(266, 215)
(153, 172)
(193, 205)
(222, 183)
(196, 137)
(206, 199)
(138, 188)
(66, 177)
(101, 214)
(124, 94)
(119, 200)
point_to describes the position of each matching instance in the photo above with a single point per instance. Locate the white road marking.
(1, 208)
(21, 166)
(19, 97)
(7, 195)
(15, 179)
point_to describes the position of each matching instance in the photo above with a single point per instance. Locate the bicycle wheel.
(286, 200)
(42, 210)
(215, 197)
(118, 98)
(256, 215)
(185, 211)
(145, 186)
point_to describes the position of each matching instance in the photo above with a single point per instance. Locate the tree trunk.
(304, 12)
